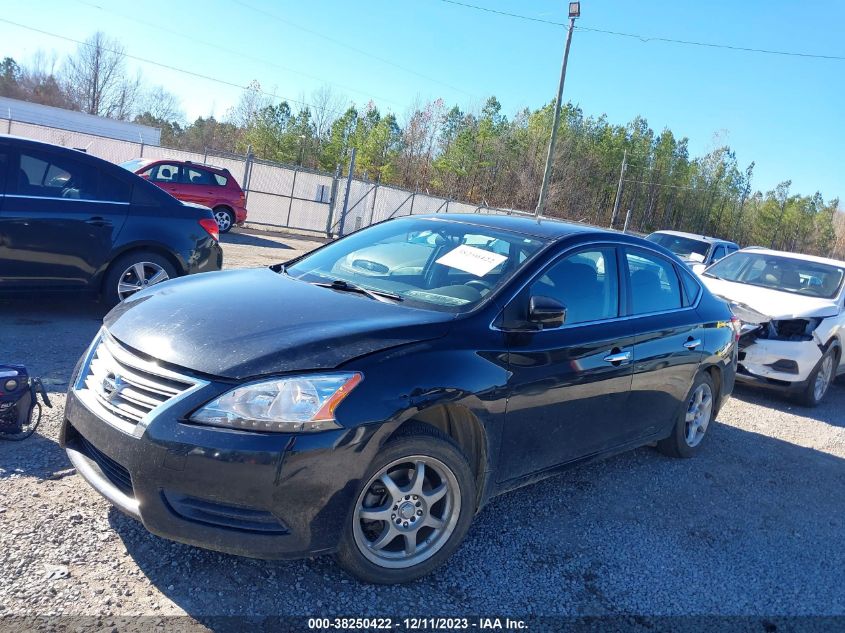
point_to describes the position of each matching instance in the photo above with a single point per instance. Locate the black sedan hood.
(244, 323)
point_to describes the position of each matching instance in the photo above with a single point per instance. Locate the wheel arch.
(463, 427)
(715, 373)
(178, 264)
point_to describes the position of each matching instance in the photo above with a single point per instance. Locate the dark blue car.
(73, 222)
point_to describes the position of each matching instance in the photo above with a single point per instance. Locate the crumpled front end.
(782, 353)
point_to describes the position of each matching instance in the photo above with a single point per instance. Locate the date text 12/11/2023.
(418, 624)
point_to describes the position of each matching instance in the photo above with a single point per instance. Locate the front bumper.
(258, 495)
(758, 363)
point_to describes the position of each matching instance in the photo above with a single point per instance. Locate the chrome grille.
(125, 386)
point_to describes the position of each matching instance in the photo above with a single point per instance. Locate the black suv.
(70, 221)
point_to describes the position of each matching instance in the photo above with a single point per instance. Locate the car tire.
(695, 419)
(225, 219)
(822, 376)
(377, 550)
(127, 270)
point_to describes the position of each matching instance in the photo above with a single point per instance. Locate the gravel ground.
(753, 526)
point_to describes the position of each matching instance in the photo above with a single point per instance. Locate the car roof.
(696, 236)
(529, 225)
(758, 250)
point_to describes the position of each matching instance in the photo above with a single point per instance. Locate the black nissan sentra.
(368, 398)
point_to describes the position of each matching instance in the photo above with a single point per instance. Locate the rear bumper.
(240, 215)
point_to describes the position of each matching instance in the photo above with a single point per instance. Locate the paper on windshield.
(469, 259)
(695, 257)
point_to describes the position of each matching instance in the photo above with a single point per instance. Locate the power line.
(234, 52)
(353, 48)
(159, 64)
(650, 38)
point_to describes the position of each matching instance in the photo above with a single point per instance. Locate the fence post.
(247, 171)
(141, 136)
(9, 124)
(333, 201)
(627, 220)
(205, 156)
(373, 205)
(413, 196)
(346, 197)
(290, 204)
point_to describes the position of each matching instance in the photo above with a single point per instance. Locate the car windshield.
(685, 247)
(134, 164)
(787, 274)
(437, 264)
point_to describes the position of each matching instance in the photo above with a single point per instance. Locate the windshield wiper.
(348, 286)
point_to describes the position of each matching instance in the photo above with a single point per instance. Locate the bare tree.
(327, 106)
(95, 78)
(161, 104)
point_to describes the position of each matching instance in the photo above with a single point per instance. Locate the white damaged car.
(793, 320)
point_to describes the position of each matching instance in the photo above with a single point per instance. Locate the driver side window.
(586, 283)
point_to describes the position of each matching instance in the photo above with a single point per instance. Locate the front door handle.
(692, 343)
(618, 357)
(98, 221)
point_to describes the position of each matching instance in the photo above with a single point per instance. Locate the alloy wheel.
(824, 377)
(407, 512)
(138, 276)
(224, 220)
(699, 412)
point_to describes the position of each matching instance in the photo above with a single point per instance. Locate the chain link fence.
(278, 196)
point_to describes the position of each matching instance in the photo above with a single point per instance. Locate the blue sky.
(785, 113)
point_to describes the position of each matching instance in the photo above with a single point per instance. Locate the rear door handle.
(98, 221)
(618, 357)
(693, 343)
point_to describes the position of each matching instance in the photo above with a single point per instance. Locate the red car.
(213, 187)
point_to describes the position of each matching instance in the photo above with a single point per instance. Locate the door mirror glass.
(546, 312)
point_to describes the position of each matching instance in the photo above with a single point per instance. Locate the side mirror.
(546, 312)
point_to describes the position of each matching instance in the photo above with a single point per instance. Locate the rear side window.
(113, 189)
(653, 282)
(45, 175)
(691, 287)
(220, 180)
(194, 176)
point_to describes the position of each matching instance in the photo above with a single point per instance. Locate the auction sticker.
(469, 259)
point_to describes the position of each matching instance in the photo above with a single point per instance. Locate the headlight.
(281, 405)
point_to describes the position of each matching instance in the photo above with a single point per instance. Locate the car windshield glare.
(437, 264)
(685, 247)
(787, 274)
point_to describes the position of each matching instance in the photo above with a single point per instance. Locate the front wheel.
(694, 420)
(413, 511)
(820, 379)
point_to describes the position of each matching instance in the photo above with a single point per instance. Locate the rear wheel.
(694, 421)
(413, 511)
(820, 378)
(133, 272)
(225, 219)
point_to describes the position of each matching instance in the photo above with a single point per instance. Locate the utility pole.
(619, 188)
(574, 12)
